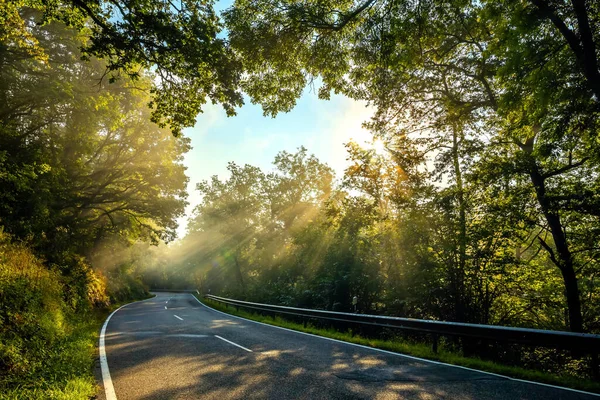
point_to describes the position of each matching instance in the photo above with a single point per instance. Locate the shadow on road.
(151, 364)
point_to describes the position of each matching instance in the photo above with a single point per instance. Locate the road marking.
(109, 389)
(178, 317)
(187, 335)
(137, 333)
(159, 334)
(235, 344)
(165, 307)
(402, 355)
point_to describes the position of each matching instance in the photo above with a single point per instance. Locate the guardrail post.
(595, 366)
(435, 338)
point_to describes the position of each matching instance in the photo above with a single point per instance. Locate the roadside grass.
(50, 321)
(67, 369)
(420, 350)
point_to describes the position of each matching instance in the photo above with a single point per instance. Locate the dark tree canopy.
(509, 88)
(478, 200)
(179, 42)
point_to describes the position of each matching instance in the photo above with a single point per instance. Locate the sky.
(322, 126)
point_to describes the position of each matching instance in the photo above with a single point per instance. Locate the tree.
(299, 184)
(514, 71)
(180, 43)
(247, 224)
(230, 218)
(80, 161)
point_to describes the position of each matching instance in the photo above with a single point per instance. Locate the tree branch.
(565, 168)
(550, 252)
(346, 18)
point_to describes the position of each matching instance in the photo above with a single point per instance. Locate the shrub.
(32, 310)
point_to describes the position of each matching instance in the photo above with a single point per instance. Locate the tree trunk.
(462, 230)
(561, 256)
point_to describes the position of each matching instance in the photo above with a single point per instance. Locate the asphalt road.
(172, 347)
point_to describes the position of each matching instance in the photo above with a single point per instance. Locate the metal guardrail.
(584, 343)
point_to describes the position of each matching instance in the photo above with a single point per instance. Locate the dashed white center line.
(179, 318)
(235, 344)
(165, 307)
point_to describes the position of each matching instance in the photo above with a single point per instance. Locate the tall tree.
(230, 217)
(180, 42)
(82, 161)
(516, 68)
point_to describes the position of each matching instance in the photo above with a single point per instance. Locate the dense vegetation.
(481, 203)
(294, 236)
(503, 99)
(84, 174)
(485, 205)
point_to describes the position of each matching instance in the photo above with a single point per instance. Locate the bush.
(32, 311)
(49, 321)
(123, 286)
(46, 348)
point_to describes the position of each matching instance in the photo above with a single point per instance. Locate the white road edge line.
(178, 317)
(402, 355)
(109, 389)
(235, 344)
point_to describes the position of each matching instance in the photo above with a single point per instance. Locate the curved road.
(172, 347)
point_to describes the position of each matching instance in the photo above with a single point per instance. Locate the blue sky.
(250, 138)
(323, 127)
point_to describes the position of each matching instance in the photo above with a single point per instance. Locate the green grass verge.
(67, 368)
(417, 350)
(67, 372)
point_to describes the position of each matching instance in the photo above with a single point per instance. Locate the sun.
(379, 147)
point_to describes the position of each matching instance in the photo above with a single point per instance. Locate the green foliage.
(502, 96)
(392, 243)
(386, 234)
(180, 43)
(109, 170)
(248, 220)
(48, 335)
(483, 207)
(32, 307)
(46, 347)
(84, 173)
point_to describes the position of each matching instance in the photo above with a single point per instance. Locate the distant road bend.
(173, 347)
